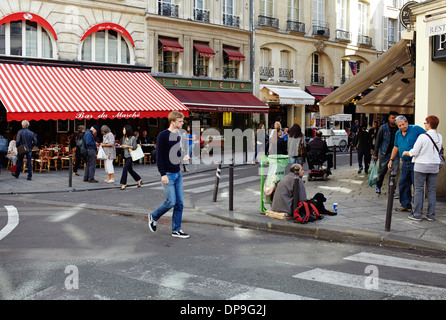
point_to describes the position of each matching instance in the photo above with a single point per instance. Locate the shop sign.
(436, 27)
(107, 115)
(204, 84)
(405, 14)
(439, 47)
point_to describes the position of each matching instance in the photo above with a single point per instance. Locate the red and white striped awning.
(46, 92)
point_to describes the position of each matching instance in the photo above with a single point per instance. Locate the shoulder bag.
(440, 152)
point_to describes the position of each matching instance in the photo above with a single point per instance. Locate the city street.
(91, 245)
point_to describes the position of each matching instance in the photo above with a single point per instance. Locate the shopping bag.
(137, 153)
(373, 174)
(4, 145)
(101, 154)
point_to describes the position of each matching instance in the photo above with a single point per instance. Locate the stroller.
(316, 162)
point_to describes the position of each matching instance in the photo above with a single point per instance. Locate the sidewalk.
(361, 213)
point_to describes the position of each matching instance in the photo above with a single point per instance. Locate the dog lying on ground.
(319, 199)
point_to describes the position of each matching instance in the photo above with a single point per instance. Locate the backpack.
(306, 211)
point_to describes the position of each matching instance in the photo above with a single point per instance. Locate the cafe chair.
(43, 161)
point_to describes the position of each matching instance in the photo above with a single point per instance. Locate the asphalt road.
(62, 247)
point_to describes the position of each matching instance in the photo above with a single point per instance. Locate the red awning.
(204, 49)
(31, 17)
(109, 26)
(213, 101)
(234, 54)
(170, 44)
(46, 92)
(319, 93)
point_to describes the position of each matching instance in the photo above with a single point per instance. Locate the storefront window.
(105, 46)
(25, 38)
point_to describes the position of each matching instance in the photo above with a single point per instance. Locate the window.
(229, 19)
(266, 8)
(391, 31)
(168, 8)
(341, 15)
(316, 76)
(200, 12)
(202, 58)
(293, 10)
(285, 71)
(362, 8)
(230, 66)
(106, 46)
(168, 58)
(319, 10)
(25, 38)
(265, 69)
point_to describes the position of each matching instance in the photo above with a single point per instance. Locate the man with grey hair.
(405, 139)
(25, 137)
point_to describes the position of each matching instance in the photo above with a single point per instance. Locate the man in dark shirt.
(91, 147)
(168, 158)
(319, 146)
(25, 137)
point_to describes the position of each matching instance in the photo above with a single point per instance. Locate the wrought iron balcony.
(167, 9)
(343, 35)
(230, 73)
(321, 29)
(231, 20)
(365, 40)
(317, 78)
(167, 67)
(295, 26)
(266, 72)
(201, 15)
(286, 73)
(269, 22)
(200, 71)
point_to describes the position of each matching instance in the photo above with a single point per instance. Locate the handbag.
(373, 174)
(101, 154)
(22, 150)
(440, 152)
(137, 153)
(302, 151)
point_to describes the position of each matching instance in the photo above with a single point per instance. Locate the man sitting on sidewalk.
(284, 193)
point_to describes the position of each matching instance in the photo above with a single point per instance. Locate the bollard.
(70, 170)
(351, 155)
(390, 200)
(334, 157)
(295, 192)
(231, 185)
(217, 180)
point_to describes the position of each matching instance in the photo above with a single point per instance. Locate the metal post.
(334, 157)
(70, 170)
(231, 185)
(295, 191)
(351, 155)
(217, 180)
(390, 200)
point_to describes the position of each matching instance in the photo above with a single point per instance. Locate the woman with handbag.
(296, 145)
(426, 156)
(129, 143)
(108, 145)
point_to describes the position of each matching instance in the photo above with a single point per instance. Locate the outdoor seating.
(43, 161)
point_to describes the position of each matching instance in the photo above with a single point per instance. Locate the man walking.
(405, 139)
(383, 148)
(168, 157)
(91, 147)
(25, 137)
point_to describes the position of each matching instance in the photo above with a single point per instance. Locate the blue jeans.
(405, 184)
(20, 165)
(297, 160)
(174, 199)
(431, 181)
(383, 167)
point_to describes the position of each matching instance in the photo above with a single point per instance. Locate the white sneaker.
(180, 234)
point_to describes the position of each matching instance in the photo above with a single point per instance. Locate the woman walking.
(108, 144)
(363, 146)
(295, 139)
(425, 155)
(128, 143)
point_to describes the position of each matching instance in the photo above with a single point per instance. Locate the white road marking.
(389, 261)
(13, 221)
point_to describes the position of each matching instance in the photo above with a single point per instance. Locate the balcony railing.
(295, 26)
(317, 78)
(343, 35)
(167, 9)
(286, 73)
(229, 73)
(270, 22)
(167, 67)
(321, 29)
(201, 15)
(200, 71)
(266, 72)
(365, 40)
(231, 20)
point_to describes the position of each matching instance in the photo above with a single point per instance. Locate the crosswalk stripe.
(391, 287)
(388, 261)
